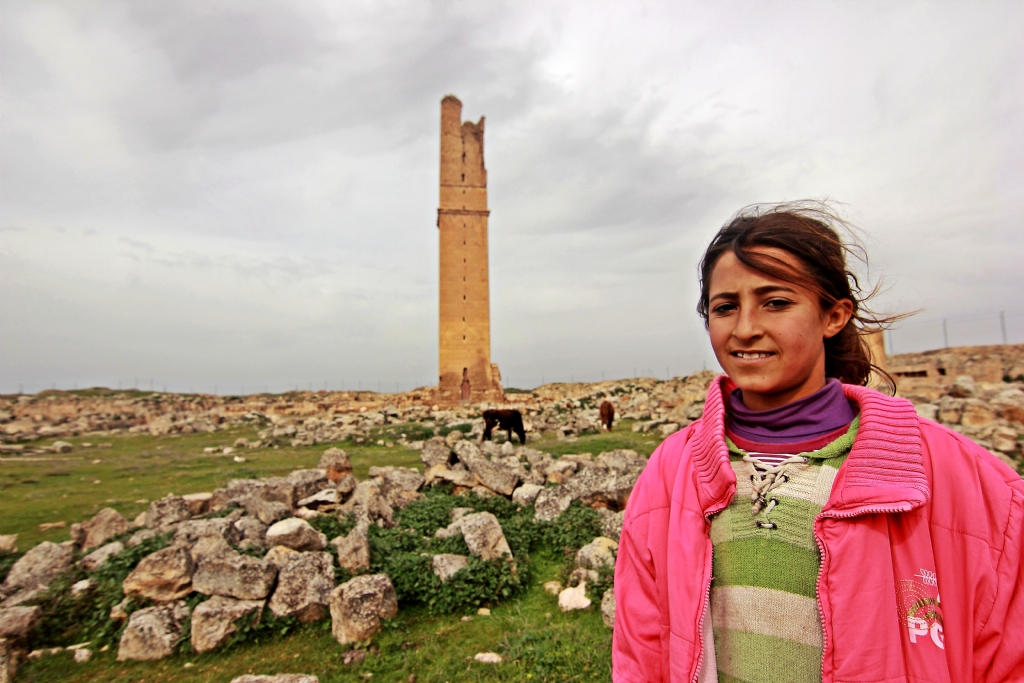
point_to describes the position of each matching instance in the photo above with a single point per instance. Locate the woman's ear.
(836, 317)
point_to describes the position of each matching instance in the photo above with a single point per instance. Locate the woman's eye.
(777, 303)
(723, 309)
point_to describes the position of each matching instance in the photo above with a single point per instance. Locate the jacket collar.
(883, 473)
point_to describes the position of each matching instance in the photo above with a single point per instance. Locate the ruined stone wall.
(465, 317)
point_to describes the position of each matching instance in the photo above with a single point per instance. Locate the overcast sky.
(243, 195)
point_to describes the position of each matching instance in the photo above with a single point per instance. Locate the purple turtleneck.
(824, 411)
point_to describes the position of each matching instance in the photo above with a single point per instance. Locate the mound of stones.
(250, 550)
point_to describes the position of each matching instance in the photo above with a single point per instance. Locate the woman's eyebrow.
(760, 291)
(768, 289)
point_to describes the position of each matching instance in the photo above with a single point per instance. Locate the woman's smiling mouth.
(752, 355)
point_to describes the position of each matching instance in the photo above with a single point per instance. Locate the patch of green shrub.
(68, 619)
(431, 512)
(463, 427)
(404, 552)
(332, 525)
(572, 530)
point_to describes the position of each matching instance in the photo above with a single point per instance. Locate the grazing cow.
(509, 420)
(607, 415)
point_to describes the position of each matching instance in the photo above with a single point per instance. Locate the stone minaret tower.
(466, 371)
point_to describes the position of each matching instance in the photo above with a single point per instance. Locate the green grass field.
(538, 642)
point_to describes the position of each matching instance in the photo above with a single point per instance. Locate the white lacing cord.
(765, 479)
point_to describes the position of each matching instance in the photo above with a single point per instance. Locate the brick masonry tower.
(466, 371)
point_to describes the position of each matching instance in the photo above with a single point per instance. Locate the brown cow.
(510, 420)
(607, 415)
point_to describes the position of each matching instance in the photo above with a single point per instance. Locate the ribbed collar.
(884, 471)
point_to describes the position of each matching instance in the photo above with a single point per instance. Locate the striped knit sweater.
(765, 565)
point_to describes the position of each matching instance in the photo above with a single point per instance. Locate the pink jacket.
(921, 576)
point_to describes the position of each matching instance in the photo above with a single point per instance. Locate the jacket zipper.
(821, 567)
(707, 594)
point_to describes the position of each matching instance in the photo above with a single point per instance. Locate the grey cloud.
(249, 191)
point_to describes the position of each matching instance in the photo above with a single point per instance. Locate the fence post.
(945, 335)
(1002, 325)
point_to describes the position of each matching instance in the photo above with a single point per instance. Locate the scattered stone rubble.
(985, 408)
(249, 549)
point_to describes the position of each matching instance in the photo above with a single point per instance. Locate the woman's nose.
(748, 325)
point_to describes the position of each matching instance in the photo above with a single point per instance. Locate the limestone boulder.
(335, 463)
(153, 632)
(436, 452)
(296, 534)
(304, 585)
(16, 623)
(8, 543)
(597, 554)
(442, 474)
(279, 556)
(21, 596)
(322, 498)
(611, 523)
(358, 605)
(950, 410)
(467, 451)
(399, 485)
(188, 533)
(234, 493)
(623, 461)
(551, 503)
(214, 621)
(354, 549)
(141, 536)
(446, 565)
(99, 530)
(1004, 439)
(494, 477)
(963, 387)
(163, 576)
(40, 565)
(368, 505)
(608, 608)
(167, 511)
(603, 488)
(8, 661)
(977, 413)
(253, 532)
(452, 438)
(346, 486)
(582, 574)
(220, 570)
(61, 447)
(99, 557)
(198, 503)
(483, 535)
(308, 482)
(559, 471)
(526, 494)
(575, 598)
(267, 511)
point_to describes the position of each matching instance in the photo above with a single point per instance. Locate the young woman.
(808, 528)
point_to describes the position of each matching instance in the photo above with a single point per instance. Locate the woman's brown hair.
(811, 232)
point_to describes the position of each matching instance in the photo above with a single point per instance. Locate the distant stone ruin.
(466, 371)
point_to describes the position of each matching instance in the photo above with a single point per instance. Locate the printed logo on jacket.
(919, 609)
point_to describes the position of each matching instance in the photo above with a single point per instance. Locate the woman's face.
(769, 334)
